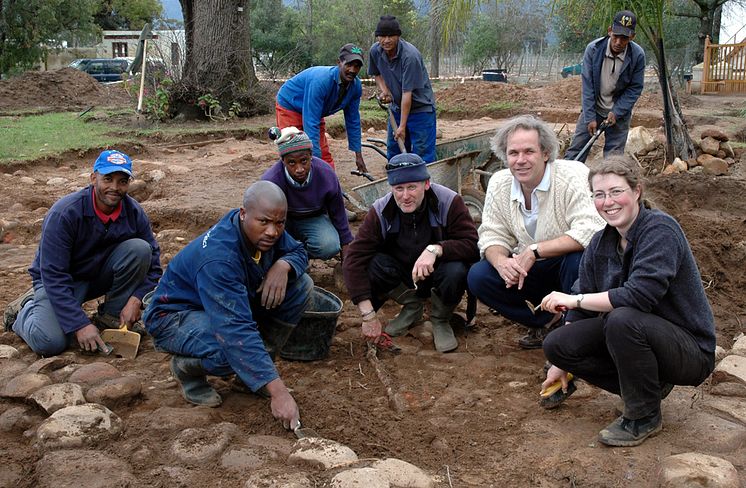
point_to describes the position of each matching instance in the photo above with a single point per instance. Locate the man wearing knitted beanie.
(305, 99)
(402, 80)
(316, 212)
(416, 243)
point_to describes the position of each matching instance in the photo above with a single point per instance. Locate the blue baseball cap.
(111, 161)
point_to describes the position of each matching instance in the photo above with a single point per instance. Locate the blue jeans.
(545, 276)
(629, 353)
(188, 332)
(420, 136)
(318, 235)
(121, 274)
(615, 138)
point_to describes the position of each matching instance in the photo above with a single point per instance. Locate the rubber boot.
(440, 317)
(192, 377)
(275, 334)
(410, 312)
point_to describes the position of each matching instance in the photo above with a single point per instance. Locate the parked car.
(102, 69)
(574, 69)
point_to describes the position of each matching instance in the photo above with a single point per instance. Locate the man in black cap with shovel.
(613, 76)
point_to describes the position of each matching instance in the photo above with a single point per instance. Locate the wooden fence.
(724, 68)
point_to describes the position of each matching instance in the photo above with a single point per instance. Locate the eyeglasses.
(613, 194)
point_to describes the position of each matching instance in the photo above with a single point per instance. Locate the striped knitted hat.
(289, 140)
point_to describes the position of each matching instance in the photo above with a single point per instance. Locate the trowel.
(303, 432)
(125, 342)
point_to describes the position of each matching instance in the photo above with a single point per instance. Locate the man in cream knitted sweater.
(538, 218)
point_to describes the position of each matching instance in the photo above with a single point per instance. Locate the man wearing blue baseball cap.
(417, 242)
(94, 242)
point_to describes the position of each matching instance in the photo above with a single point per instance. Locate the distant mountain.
(172, 9)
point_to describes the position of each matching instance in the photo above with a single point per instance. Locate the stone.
(729, 389)
(715, 134)
(18, 419)
(681, 165)
(639, 141)
(175, 476)
(201, 445)
(317, 452)
(694, 469)
(78, 426)
(727, 149)
(710, 145)
(26, 180)
(61, 375)
(702, 158)
(715, 167)
(54, 397)
(178, 169)
(156, 175)
(671, 170)
(56, 181)
(265, 478)
(731, 369)
(733, 409)
(174, 419)
(718, 434)
(360, 478)
(10, 368)
(279, 445)
(94, 374)
(720, 353)
(402, 473)
(23, 385)
(47, 365)
(77, 467)
(115, 392)
(240, 459)
(739, 347)
(8, 352)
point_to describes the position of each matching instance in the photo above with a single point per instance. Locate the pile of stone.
(715, 158)
(65, 410)
(719, 428)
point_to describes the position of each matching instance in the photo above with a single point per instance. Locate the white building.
(168, 46)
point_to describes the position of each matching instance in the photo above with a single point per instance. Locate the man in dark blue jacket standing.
(613, 76)
(94, 242)
(230, 300)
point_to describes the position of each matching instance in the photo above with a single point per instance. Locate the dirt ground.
(471, 417)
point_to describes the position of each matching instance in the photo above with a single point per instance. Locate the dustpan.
(124, 341)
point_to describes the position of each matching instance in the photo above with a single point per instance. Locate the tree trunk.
(678, 142)
(710, 12)
(218, 56)
(434, 46)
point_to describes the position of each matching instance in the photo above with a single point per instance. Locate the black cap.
(388, 26)
(624, 23)
(349, 53)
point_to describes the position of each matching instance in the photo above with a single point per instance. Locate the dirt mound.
(66, 88)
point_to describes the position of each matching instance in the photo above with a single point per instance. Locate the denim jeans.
(545, 276)
(188, 332)
(615, 138)
(385, 273)
(121, 274)
(629, 353)
(318, 235)
(419, 138)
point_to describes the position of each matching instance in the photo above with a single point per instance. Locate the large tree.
(708, 13)
(30, 28)
(127, 14)
(218, 59)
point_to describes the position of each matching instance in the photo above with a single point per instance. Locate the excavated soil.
(471, 417)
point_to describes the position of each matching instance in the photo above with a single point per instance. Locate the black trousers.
(629, 353)
(385, 273)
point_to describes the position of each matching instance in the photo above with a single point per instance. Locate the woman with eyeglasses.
(640, 322)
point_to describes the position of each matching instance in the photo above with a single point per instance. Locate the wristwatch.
(433, 249)
(535, 249)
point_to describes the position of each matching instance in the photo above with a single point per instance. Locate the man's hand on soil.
(89, 339)
(283, 404)
(131, 311)
(372, 328)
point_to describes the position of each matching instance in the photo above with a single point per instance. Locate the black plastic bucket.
(312, 338)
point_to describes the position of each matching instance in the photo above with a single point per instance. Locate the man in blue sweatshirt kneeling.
(229, 301)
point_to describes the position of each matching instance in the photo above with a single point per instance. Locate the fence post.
(705, 66)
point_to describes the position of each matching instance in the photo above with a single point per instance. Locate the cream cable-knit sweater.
(567, 208)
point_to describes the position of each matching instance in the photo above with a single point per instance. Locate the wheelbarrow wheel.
(474, 201)
(492, 166)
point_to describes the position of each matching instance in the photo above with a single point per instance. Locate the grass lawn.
(35, 136)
